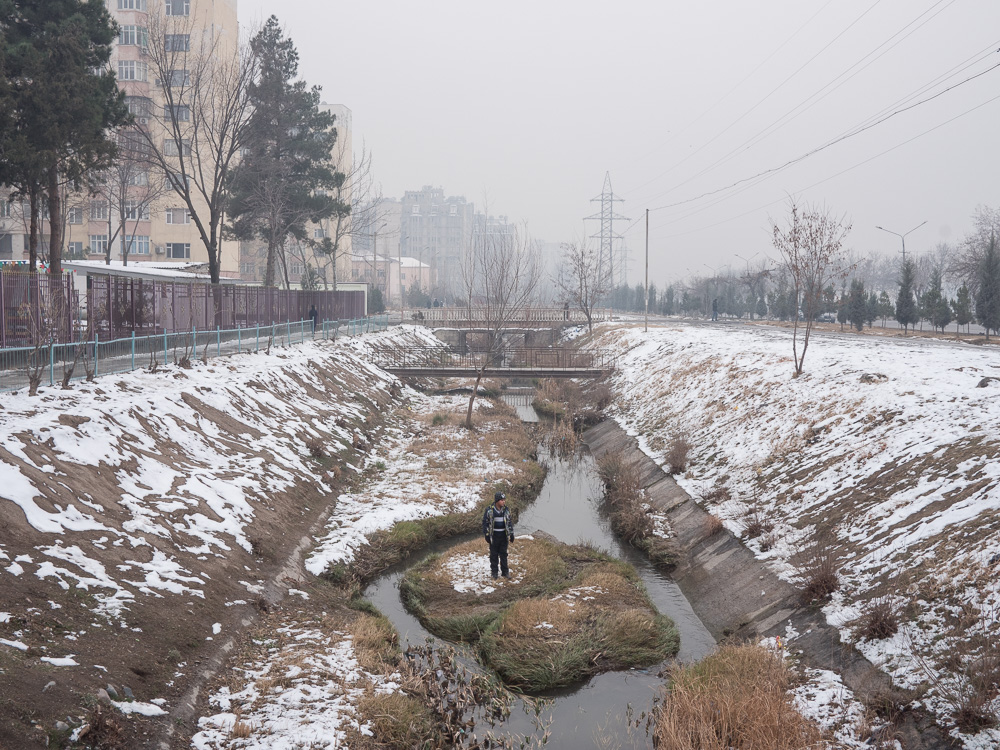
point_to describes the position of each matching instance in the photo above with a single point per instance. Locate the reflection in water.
(594, 714)
(521, 399)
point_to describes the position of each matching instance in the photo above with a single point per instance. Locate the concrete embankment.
(736, 595)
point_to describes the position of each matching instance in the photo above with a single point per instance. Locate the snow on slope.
(887, 445)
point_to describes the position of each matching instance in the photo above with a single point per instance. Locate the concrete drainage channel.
(735, 594)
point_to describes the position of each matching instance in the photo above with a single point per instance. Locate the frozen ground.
(882, 454)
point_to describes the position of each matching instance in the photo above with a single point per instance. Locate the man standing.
(715, 309)
(314, 317)
(499, 531)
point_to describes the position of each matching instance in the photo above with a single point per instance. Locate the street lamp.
(747, 260)
(902, 236)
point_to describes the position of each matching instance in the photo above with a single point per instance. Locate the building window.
(140, 106)
(137, 244)
(177, 112)
(139, 179)
(75, 249)
(74, 215)
(98, 210)
(133, 36)
(180, 77)
(132, 70)
(416, 210)
(98, 244)
(179, 250)
(135, 211)
(6, 207)
(177, 216)
(296, 269)
(131, 4)
(177, 42)
(178, 7)
(453, 210)
(171, 147)
(319, 233)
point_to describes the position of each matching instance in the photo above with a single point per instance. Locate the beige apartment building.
(162, 231)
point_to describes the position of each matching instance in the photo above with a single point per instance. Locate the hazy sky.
(529, 104)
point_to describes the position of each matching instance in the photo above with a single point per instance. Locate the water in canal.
(593, 714)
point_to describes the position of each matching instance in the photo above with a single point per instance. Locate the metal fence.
(118, 306)
(35, 307)
(55, 362)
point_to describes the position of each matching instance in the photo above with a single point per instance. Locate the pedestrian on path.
(498, 528)
(715, 309)
(314, 317)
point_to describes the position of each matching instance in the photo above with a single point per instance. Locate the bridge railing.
(478, 316)
(527, 358)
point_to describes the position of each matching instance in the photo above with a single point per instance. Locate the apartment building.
(161, 229)
(435, 229)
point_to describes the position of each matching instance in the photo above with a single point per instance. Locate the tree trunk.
(472, 399)
(269, 269)
(55, 223)
(33, 229)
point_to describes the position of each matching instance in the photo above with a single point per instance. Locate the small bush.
(316, 449)
(338, 574)
(879, 620)
(735, 699)
(821, 580)
(718, 494)
(713, 525)
(677, 455)
(440, 419)
(755, 524)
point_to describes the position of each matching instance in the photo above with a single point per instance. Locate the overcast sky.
(530, 104)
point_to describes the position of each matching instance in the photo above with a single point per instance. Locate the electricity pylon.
(607, 236)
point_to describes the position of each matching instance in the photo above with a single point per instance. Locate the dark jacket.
(488, 523)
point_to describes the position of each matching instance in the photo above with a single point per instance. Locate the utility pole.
(607, 234)
(646, 328)
(902, 237)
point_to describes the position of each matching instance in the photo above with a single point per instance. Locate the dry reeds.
(375, 643)
(735, 699)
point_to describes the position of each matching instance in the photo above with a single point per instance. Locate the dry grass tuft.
(524, 617)
(879, 620)
(735, 699)
(375, 643)
(822, 580)
(713, 525)
(398, 722)
(677, 454)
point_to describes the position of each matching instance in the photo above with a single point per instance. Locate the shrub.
(821, 580)
(879, 620)
(756, 523)
(397, 721)
(713, 525)
(718, 494)
(735, 699)
(316, 449)
(439, 419)
(677, 455)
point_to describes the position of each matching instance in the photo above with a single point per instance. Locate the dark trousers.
(498, 553)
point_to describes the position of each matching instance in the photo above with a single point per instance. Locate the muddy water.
(594, 714)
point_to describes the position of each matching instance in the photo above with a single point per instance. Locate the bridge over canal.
(523, 362)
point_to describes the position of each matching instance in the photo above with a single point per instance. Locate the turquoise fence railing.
(56, 363)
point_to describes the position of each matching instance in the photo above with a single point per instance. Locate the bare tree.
(811, 246)
(967, 261)
(202, 127)
(499, 275)
(130, 189)
(580, 280)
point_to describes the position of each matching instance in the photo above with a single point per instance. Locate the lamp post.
(375, 257)
(902, 236)
(646, 324)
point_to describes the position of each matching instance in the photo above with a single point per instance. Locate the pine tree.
(962, 304)
(287, 169)
(938, 309)
(60, 111)
(885, 307)
(761, 307)
(906, 306)
(842, 310)
(988, 298)
(856, 304)
(871, 308)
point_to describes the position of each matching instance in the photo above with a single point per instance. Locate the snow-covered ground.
(883, 454)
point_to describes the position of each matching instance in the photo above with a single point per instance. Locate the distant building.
(435, 229)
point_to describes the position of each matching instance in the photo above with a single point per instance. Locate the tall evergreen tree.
(906, 306)
(885, 307)
(64, 101)
(988, 298)
(761, 307)
(287, 169)
(962, 305)
(936, 303)
(871, 308)
(842, 316)
(856, 307)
